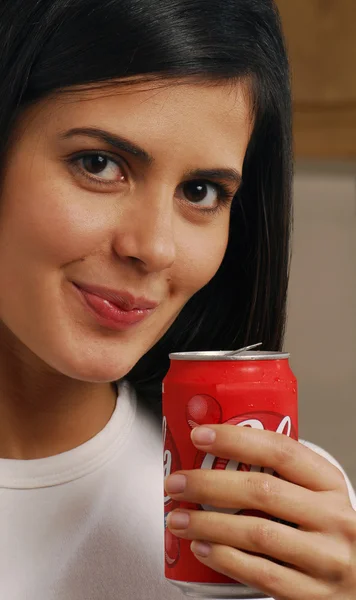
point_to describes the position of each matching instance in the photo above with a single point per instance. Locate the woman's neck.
(43, 413)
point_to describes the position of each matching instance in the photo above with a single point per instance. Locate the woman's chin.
(95, 369)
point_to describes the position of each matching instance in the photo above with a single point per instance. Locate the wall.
(321, 334)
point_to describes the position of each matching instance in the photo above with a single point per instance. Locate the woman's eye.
(202, 193)
(99, 167)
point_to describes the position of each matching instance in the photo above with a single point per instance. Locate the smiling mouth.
(118, 310)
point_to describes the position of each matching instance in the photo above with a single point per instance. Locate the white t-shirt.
(88, 524)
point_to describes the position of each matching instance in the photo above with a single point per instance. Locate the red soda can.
(247, 389)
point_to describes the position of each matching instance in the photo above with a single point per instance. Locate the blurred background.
(321, 334)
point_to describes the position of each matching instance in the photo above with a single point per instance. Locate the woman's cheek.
(44, 209)
(202, 255)
(61, 228)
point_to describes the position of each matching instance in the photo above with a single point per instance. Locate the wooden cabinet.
(321, 40)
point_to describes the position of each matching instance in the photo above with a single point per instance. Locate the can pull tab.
(233, 352)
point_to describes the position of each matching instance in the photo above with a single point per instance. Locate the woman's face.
(113, 214)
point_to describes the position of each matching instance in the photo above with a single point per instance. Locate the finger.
(311, 553)
(280, 582)
(253, 491)
(289, 458)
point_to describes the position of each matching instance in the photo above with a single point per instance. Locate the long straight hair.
(48, 46)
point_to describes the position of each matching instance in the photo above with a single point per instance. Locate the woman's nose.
(146, 235)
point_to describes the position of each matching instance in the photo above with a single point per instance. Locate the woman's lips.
(118, 314)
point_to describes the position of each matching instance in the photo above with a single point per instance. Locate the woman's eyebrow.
(227, 174)
(112, 139)
(121, 143)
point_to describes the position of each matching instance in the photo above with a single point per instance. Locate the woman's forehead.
(204, 117)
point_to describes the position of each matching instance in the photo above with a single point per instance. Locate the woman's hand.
(316, 561)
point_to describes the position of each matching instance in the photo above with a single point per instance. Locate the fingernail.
(175, 484)
(203, 436)
(200, 549)
(178, 520)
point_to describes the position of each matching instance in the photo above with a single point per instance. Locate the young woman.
(145, 208)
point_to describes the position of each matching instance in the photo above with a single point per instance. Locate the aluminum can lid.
(223, 355)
